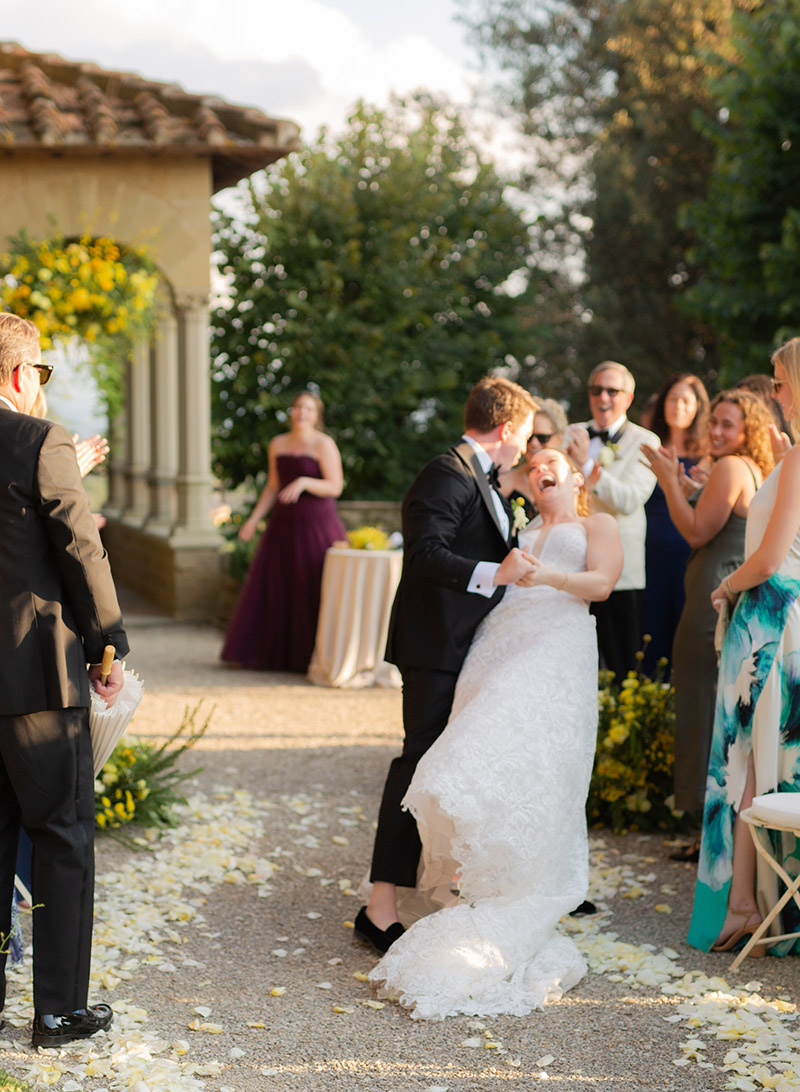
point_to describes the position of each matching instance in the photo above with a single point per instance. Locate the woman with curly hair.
(680, 418)
(756, 743)
(713, 523)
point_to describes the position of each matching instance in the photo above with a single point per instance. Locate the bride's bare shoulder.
(600, 523)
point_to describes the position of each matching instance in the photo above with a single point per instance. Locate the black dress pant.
(427, 700)
(619, 631)
(47, 786)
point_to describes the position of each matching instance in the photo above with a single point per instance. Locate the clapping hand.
(577, 438)
(780, 442)
(664, 463)
(90, 453)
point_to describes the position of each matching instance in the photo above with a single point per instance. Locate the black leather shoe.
(380, 939)
(583, 910)
(2, 1023)
(72, 1025)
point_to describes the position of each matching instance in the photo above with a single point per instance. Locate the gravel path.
(307, 765)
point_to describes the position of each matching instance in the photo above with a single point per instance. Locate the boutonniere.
(519, 519)
(608, 454)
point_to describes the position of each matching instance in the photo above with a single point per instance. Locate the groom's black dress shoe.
(381, 939)
(55, 1031)
(583, 910)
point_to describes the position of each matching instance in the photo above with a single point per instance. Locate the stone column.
(138, 469)
(117, 460)
(165, 426)
(194, 479)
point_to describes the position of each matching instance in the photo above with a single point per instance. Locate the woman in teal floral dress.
(756, 743)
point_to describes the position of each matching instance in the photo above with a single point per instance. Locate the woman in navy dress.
(680, 418)
(275, 621)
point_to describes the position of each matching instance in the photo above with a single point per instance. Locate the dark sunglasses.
(44, 370)
(776, 385)
(612, 392)
(542, 437)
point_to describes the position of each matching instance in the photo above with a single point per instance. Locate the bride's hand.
(529, 576)
(542, 574)
(514, 568)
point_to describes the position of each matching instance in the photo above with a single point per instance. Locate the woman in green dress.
(756, 742)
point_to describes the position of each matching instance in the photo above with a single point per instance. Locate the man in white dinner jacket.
(608, 450)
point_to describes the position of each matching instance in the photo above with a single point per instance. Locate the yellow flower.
(368, 538)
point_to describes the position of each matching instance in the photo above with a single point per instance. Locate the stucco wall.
(157, 201)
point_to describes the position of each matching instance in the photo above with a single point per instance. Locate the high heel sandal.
(687, 854)
(742, 934)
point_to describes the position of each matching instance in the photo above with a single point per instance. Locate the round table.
(358, 589)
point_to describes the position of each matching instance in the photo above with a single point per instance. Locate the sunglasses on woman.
(776, 385)
(544, 438)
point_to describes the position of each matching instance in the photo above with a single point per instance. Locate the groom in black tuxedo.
(458, 559)
(58, 610)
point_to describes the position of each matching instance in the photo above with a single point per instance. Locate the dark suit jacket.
(58, 606)
(449, 524)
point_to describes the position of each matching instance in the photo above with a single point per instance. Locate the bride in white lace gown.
(500, 797)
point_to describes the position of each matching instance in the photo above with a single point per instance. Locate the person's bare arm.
(780, 533)
(267, 498)
(604, 560)
(699, 524)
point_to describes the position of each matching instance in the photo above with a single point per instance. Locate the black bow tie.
(493, 476)
(599, 433)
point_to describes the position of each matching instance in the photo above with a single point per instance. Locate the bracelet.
(726, 587)
(563, 583)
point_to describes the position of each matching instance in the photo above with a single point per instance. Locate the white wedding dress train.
(500, 804)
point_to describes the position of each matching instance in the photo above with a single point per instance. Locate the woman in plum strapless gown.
(275, 621)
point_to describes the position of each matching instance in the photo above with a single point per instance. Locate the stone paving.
(273, 967)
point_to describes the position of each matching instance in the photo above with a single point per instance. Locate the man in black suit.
(458, 559)
(58, 610)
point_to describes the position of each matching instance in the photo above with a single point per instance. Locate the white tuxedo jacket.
(624, 486)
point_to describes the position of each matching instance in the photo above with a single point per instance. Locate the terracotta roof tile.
(73, 107)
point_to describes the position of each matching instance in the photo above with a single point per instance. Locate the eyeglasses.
(44, 370)
(612, 392)
(542, 437)
(777, 384)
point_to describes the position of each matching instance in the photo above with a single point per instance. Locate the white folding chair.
(773, 811)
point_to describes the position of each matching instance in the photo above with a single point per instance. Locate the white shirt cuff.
(482, 582)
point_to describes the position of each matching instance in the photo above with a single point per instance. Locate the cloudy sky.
(307, 60)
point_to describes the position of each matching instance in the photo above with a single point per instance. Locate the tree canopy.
(748, 229)
(608, 93)
(385, 269)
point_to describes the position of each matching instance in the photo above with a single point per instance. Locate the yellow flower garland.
(88, 287)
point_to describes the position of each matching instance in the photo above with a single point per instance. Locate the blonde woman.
(756, 741)
(714, 526)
